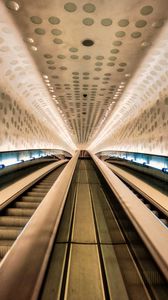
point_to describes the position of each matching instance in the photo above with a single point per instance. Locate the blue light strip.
(154, 161)
(15, 157)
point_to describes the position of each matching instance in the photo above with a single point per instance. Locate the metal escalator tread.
(22, 204)
(6, 243)
(13, 221)
(15, 216)
(19, 212)
(3, 250)
(11, 234)
(36, 194)
(39, 189)
(30, 199)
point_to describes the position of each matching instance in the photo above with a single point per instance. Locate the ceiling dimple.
(56, 31)
(123, 23)
(87, 48)
(120, 34)
(89, 7)
(70, 7)
(36, 20)
(40, 31)
(88, 21)
(106, 22)
(53, 20)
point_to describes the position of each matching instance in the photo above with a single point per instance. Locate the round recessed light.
(54, 20)
(50, 62)
(39, 31)
(145, 44)
(86, 57)
(36, 20)
(89, 7)
(34, 48)
(111, 64)
(123, 64)
(140, 23)
(127, 75)
(55, 76)
(70, 7)
(123, 23)
(58, 41)
(120, 34)
(113, 58)
(146, 10)
(74, 56)
(88, 43)
(106, 22)
(29, 40)
(99, 57)
(13, 5)
(48, 55)
(98, 64)
(61, 56)
(88, 21)
(63, 68)
(51, 67)
(56, 31)
(158, 23)
(114, 51)
(136, 34)
(117, 43)
(73, 49)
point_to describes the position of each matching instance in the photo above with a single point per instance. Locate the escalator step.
(13, 221)
(21, 204)
(31, 199)
(36, 194)
(3, 250)
(9, 234)
(19, 212)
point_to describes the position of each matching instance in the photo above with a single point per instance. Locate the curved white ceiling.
(87, 96)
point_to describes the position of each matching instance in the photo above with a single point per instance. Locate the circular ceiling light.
(87, 43)
(89, 7)
(70, 7)
(13, 5)
(29, 40)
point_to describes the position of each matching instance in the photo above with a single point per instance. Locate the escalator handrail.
(153, 233)
(23, 268)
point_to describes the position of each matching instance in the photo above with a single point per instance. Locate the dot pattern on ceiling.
(76, 43)
(143, 126)
(21, 130)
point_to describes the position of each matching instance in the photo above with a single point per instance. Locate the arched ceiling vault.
(78, 60)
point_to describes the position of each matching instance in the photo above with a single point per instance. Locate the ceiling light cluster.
(30, 41)
(48, 84)
(54, 97)
(119, 91)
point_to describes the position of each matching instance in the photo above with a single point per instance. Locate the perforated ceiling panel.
(87, 52)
